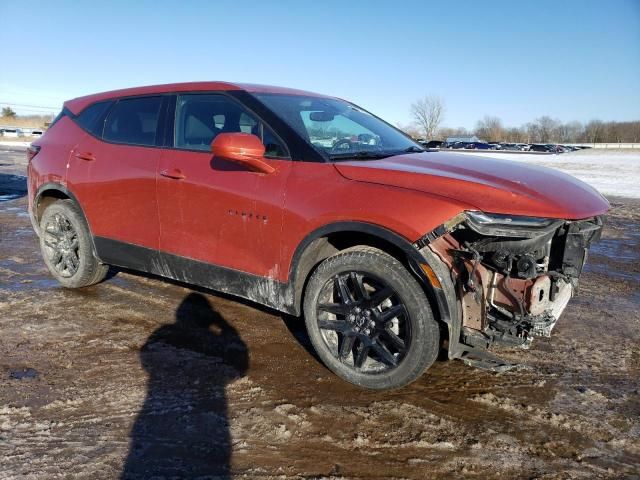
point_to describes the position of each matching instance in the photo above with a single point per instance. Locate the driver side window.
(201, 117)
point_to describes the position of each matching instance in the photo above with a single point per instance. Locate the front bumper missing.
(511, 284)
(544, 326)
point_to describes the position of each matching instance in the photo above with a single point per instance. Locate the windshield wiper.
(361, 155)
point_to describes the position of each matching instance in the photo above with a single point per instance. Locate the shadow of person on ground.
(182, 430)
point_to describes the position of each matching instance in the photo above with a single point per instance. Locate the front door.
(215, 211)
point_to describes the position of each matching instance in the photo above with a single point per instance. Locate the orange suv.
(315, 207)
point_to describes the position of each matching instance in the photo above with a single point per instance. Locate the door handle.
(174, 173)
(86, 156)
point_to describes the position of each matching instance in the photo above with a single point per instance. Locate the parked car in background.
(511, 146)
(495, 145)
(377, 243)
(539, 147)
(522, 147)
(570, 148)
(12, 132)
(432, 144)
(477, 146)
(36, 133)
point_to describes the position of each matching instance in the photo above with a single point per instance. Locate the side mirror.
(242, 148)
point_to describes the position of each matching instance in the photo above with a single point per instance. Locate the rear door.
(212, 210)
(112, 171)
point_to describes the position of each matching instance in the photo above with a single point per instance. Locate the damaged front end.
(513, 276)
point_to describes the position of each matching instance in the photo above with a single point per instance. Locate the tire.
(67, 246)
(366, 295)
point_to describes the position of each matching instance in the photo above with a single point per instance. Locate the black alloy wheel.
(363, 321)
(369, 319)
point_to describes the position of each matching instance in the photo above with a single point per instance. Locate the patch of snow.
(611, 172)
(16, 144)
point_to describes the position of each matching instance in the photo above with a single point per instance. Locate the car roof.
(78, 104)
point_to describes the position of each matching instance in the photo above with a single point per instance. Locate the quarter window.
(133, 121)
(92, 117)
(201, 117)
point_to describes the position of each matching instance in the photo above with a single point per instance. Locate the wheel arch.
(48, 193)
(332, 238)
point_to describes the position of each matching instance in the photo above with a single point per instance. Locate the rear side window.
(201, 117)
(92, 117)
(133, 121)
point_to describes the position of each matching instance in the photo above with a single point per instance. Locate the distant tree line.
(428, 114)
(548, 130)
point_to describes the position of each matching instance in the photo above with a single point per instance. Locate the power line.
(31, 106)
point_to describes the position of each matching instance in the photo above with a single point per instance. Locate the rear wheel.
(67, 249)
(369, 320)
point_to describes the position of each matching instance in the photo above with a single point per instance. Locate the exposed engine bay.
(513, 276)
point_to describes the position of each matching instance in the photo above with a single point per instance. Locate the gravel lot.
(139, 374)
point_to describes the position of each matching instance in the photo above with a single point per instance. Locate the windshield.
(338, 129)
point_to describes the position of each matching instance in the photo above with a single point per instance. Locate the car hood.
(488, 184)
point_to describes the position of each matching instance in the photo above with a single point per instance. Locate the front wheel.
(369, 320)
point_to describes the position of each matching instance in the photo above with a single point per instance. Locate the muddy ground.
(138, 373)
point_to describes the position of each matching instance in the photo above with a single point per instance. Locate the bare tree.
(428, 114)
(490, 129)
(547, 128)
(515, 135)
(409, 129)
(573, 131)
(634, 132)
(8, 112)
(593, 131)
(445, 132)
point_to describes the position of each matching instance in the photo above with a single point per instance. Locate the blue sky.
(518, 60)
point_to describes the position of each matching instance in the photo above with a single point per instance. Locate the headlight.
(501, 225)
